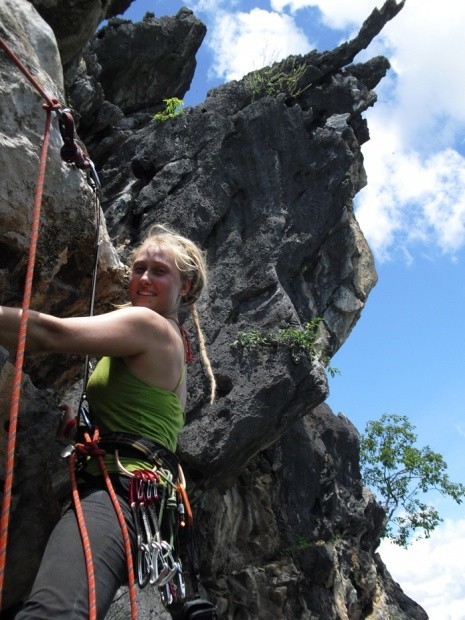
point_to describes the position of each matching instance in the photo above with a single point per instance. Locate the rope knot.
(52, 105)
(90, 446)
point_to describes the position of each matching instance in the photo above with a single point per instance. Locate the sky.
(406, 353)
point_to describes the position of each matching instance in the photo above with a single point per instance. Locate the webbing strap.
(131, 444)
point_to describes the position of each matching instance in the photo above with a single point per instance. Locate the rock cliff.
(262, 174)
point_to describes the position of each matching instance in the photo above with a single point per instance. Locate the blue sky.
(406, 353)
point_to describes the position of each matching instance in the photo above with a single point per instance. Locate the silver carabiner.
(155, 556)
(140, 490)
(144, 565)
(169, 569)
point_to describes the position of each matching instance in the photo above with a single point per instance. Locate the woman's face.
(155, 281)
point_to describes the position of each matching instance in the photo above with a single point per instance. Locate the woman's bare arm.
(125, 332)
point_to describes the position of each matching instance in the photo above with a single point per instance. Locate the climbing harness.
(162, 517)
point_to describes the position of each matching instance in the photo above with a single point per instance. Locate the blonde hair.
(189, 260)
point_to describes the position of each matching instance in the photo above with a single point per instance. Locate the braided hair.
(189, 260)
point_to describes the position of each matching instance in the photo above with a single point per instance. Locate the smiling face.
(156, 282)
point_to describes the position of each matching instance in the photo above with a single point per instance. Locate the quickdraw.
(156, 563)
(72, 151)
(163, 519)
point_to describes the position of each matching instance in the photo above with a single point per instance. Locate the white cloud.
(211, 6)
(243, 42)
(427, 46)
(414, 160)
(460, 429)
(411, 200)
(335, 14)
(431, 571)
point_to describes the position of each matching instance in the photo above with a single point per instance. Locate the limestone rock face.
(64, 17)
(279, 542)
(62, 274)
(262, 175)
(143, 62)
(35, 506)
(65, 251)
(246, 174)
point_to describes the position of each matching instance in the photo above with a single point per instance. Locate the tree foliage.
(400, 472)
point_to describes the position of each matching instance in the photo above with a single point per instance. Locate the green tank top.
(121, 402)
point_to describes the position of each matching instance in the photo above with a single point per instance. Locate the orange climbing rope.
(91, 448)
(50, 106)
(16, 390)
(30, 77)
(84, 537)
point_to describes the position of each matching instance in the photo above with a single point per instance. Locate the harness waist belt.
(132, 445)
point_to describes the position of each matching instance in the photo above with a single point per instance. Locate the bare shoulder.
(141, 316)
(150, 321)
(161, 362)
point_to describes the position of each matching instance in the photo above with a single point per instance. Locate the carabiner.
(144, 565)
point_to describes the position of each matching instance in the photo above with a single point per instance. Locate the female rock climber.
(138, 386)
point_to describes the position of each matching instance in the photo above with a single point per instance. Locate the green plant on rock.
(173, 109)
(299, 544)
(300, 342)
(274, 80)
(332, 371)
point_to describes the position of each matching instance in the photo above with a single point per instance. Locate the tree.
(400, 472)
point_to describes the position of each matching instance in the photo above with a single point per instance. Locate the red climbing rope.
(30, 77)
(50, 106)
(16, 390)
(126, 540)
(85, 539)
(91, 448)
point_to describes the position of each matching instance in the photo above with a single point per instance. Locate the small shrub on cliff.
(274, 80)
(173, 109)
(300, 544)
(299, 341)
(399, 472)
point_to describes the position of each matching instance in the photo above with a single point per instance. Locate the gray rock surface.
(35, 506)
(262, 175)
(74, 22)
(141, 63)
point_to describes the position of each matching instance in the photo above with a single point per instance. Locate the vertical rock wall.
(263, 179)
